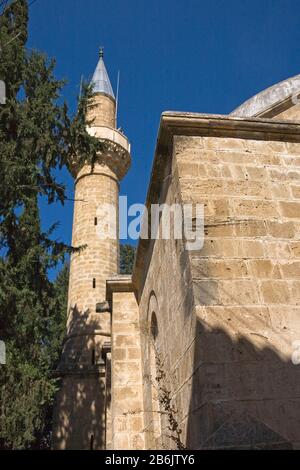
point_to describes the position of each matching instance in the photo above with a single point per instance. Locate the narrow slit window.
(94, 283)
(96, 221)
(92, 442)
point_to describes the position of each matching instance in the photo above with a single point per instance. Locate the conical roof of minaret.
(100, 78)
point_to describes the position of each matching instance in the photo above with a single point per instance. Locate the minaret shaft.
(80, 415)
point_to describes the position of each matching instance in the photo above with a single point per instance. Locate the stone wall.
(79, 418)
(126, 391)
(245, 389)
(168, 328)
(221, 322)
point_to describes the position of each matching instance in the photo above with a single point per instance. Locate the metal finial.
(101, 52)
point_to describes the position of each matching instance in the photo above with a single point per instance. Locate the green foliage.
(127, 254)
(32, 318)
(36, 136)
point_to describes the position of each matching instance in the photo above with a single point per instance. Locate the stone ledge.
(218, 125)
(118, 283)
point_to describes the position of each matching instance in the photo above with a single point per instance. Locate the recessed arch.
(153, 351)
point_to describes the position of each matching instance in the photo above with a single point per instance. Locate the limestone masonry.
(203, 340)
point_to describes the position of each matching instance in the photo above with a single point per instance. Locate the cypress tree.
(37, 136)
(127, 254)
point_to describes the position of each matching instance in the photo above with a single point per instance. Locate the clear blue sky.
(179, 55)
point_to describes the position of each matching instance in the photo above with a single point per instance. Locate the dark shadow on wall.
(79, 412)
(243, 396)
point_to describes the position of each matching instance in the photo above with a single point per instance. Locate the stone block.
(290, 210)
(275, 292)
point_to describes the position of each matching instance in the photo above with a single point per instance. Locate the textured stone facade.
(227, 315)
(165, 297)
(127, 382)
(195, 349)
(246, 284)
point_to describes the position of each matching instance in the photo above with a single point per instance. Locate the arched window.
(155, 385)
(153, 327)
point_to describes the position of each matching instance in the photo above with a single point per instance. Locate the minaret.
(80, 415)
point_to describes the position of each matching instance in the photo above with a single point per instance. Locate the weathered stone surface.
(225, 335)
(126, 393)
(210, 331)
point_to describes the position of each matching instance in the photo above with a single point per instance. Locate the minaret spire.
(100, 79)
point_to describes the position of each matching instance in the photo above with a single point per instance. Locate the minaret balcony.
(115, 155)
(108, 133)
